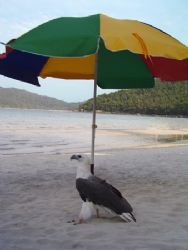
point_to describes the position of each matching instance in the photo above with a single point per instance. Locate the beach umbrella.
(117, 54)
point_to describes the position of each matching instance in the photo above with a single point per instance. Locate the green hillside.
(164, 99)
(16, 98)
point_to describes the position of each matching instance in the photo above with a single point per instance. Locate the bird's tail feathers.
(128, 217)
(133, 217)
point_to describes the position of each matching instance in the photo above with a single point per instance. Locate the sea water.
(53, 132)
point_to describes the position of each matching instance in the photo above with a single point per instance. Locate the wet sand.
(38, 197)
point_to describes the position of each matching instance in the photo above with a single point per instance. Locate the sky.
(18, 16)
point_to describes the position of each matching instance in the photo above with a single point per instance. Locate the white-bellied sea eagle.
(97, 193)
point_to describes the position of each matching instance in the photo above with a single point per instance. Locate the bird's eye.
(79, 156)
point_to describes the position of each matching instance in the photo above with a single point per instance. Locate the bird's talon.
(77, 222)
(70, 221)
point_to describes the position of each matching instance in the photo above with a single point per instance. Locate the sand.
(38, 197)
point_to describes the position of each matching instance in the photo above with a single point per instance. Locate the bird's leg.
(86, 211)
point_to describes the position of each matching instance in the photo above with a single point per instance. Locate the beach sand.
(38, 197)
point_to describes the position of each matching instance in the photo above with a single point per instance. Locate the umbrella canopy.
(117, 54)
(129, 53)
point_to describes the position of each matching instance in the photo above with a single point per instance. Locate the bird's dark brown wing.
(102, 193)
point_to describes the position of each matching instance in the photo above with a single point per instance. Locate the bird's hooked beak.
(75, 157)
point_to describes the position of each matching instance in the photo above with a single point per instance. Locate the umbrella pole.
(94, 126)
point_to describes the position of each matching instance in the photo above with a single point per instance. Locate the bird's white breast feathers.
(83, 171)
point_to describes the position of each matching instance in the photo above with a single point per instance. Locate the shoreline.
(99, 112)
(98, 152)
(139, 114)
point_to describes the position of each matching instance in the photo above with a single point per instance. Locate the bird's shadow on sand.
(101, 219)
(106, 219)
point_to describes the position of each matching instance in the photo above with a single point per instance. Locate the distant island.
(165, 98)
(16, 98)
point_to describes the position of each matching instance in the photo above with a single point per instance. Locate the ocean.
(56, 132)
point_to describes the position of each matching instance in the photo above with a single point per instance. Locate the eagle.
(97, 193)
